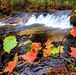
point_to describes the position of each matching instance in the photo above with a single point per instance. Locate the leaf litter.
(39, 59)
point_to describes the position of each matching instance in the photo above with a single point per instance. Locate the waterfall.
(58, 19)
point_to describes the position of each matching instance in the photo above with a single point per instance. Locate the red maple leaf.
(32, 54)
(73, 53)
(73, 31)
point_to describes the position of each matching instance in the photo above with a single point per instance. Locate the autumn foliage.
(32, 54)
(47, 50)
(29, 57)
(73, 52)
(11, 65)
(73, 32)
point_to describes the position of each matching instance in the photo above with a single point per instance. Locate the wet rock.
(15, 21)
(55, 34)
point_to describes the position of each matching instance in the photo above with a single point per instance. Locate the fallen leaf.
(51, 50)
(48, 42)
(47, 49)
(16, 58)
(55, 51)
(73, 32)
(73, 53)
(30, 56)
(9, 68)
(11, 65)
(46, 52)
(9, 43)
(36, 46)
(60, 49)
(25, 43)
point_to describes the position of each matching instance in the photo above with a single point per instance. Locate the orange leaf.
(47, 50)
(73, 53)
(30, 56)
(48, 42)
(10, 67)
(35, 45)
(73, 32)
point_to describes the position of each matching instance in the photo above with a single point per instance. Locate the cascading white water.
(60, 21)
(55, 20)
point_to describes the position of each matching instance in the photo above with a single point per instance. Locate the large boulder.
(55, 34)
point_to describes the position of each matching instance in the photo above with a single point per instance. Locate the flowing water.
(30, 23)
(58, 19)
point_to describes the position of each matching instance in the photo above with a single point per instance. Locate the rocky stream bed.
(62, 64)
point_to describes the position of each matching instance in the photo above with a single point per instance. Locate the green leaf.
(55, 51)
(26, 42)
(9, 43)
(69, 59)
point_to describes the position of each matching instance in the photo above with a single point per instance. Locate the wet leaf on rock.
(25, 43)
(73, 53)
(11, 65)
(73, 31)
(47, 49)
(9, 43)
(32, 54)
(55, 51)
(9, 68)
(51, 50)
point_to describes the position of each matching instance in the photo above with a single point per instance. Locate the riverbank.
(6, 10)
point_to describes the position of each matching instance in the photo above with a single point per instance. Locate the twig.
(67, 60)
(63, 40)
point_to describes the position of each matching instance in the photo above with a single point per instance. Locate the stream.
(51, 24)
(54, 26)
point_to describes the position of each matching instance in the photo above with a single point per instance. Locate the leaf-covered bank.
(8, 7)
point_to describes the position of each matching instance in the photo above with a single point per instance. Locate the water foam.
(55, 20)
(59, 21)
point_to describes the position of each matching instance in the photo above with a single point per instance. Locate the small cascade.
(58, 19)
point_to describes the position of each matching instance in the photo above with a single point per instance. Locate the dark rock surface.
(54, 34)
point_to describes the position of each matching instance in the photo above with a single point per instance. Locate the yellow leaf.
(16, 57)
(60, 48)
